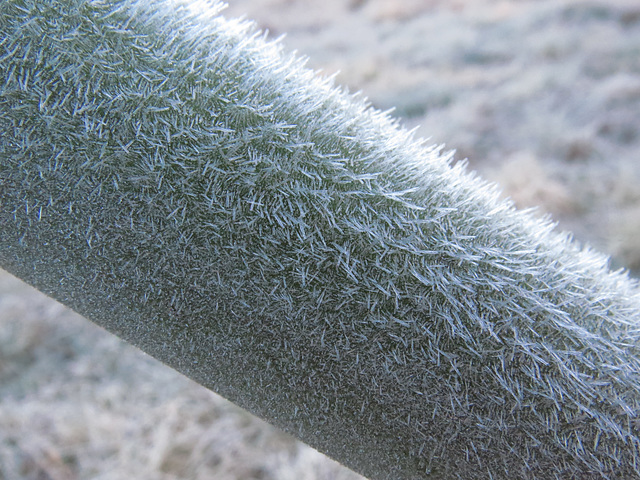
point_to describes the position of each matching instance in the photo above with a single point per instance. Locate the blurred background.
(540, 96)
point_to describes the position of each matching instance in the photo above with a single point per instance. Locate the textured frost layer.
(177, 179)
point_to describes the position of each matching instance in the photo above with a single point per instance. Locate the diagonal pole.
(180, 181)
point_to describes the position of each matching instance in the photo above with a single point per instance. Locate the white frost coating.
(176, 178)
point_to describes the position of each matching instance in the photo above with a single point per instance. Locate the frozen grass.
(542, 96)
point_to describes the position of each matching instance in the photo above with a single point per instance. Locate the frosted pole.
(182, 182)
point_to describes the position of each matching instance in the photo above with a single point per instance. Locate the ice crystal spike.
(179, 180)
